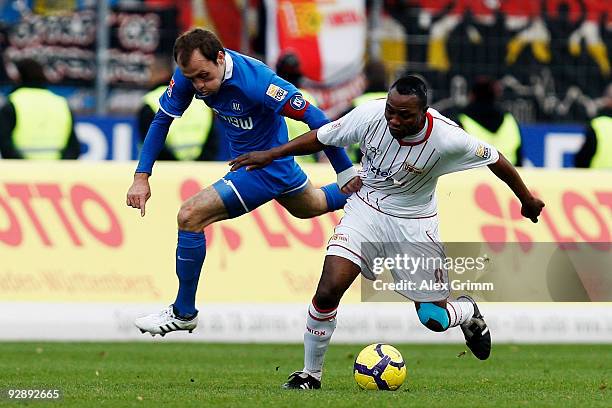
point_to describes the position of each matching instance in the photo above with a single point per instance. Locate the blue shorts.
(242, 191)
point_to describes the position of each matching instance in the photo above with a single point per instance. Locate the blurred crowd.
(38, 123)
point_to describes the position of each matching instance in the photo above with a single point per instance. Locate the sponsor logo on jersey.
(483, 152)
(170, 86)
(339, 237)
(411, 169)
(276, 92)
(377, 171)
(245, 123)
(372, 151)
(297, 102)
(236, 106)
(330, 127)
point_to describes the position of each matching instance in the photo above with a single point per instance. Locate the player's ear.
(220, 58)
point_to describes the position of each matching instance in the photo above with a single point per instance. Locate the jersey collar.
(229, 66)
(427, 132)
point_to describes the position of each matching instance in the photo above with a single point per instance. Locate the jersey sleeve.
(345, 131)
(468, 152)
(178, 95)
(277, 93)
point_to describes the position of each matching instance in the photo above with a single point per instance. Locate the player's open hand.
(532, 208)
(352, 186)
(252, 161)
(139, 192)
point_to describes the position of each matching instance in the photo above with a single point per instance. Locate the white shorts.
(366, 236)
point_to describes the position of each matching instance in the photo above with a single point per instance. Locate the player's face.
(405, 115)
(204, 74)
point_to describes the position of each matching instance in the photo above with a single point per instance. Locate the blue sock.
(335, 198)
(190, 253)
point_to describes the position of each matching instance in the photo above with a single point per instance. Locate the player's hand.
(252, 161)
(139, 192)
(532, 208)
(352, 186)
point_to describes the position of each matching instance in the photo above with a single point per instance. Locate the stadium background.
(81, 265)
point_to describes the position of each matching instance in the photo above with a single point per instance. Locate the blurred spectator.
(289, 68)
(191, 137)
(375, 75)
(35, 123)
(485, 119)
(596, 152)
(376, 83)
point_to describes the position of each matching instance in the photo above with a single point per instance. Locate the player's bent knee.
(190, 218)
(434, 317)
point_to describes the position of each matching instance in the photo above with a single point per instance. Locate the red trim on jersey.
(427, 132)
(351, 251)
(391, 215)
(324, 311)
(448, 123)
(290, 112)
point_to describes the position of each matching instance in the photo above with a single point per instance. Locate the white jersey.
(400, 176)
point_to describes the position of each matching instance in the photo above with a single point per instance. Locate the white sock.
(459, 312)
(320, 325)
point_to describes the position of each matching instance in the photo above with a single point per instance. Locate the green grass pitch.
(171, 374)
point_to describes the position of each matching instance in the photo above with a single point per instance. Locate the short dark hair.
(197, 39)
(30, 71)
(411, 85)
(289, 68)
(376, 75)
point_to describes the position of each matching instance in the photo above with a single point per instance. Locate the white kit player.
(406, 146)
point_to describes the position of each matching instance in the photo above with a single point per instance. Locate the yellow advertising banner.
(66, 234)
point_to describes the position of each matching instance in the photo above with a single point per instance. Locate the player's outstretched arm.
(299, 109)
(531, 206)
(302, 145)
(140, 191)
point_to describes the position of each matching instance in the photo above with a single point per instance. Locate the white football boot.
(164, 322)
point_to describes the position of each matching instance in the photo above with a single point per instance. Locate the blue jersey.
(248, 103)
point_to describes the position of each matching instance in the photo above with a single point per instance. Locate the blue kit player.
(250, 100)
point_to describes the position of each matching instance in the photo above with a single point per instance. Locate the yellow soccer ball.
(380, 367)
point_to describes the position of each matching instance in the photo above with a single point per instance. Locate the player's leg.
(442, 315)
(342, 265)
(463, 312)
(234, 195)
(196, 213)
(302, 199)
(310, 201)
(434, 308)
(338, 275)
